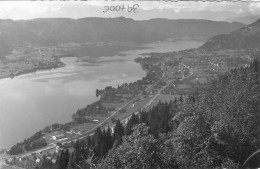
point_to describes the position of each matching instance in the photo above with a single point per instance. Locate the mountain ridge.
(245, 37)
(53, 31)
(244, 19)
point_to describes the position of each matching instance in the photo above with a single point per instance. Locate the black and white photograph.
(130, 84)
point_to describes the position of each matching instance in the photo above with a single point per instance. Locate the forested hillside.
(244, 38)
(217, 127)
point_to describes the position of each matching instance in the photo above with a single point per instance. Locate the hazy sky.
(147, 9)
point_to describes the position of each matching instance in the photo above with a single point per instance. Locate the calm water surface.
(30, 102)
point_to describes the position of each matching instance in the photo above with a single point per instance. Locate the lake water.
(30, 102)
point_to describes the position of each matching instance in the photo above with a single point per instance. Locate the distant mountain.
(4, 48)
(124, 29)
(246, 37)
(90, 30)
(190, 27)
(12, 34)
(65, 30)
(245, 19)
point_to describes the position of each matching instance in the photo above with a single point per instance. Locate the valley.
(168, 77)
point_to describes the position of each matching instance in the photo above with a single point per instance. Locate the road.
(164, 73)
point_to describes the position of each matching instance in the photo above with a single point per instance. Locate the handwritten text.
(122, 8)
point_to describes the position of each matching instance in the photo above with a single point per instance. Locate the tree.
(131, 122)
(79, 118)
(181, 98)
(63, 159)
(47, 129)
(113, 120)
(97, 137)
(118, 131)
(109, 138)
(143, 117)
(97, 92)
(138, 150)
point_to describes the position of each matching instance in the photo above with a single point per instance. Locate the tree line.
(34, 142)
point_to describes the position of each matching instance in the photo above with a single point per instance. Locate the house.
(59, 149)
(154, 91)
(57, 137)
(10, 160)
(95, 121)
(112, 129)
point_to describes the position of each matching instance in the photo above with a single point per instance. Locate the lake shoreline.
(144, 70)
(32, 70)
(60, 64)
(127, 52)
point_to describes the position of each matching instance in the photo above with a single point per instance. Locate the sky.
(20, 10)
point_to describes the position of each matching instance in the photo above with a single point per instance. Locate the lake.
(30, 102)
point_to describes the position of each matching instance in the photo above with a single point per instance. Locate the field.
(99, 118)
(115, 105)
(84, 127)
(49, 139)
(163, 98)
(167, 98)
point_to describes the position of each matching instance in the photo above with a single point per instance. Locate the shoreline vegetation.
(48, 58)
(33, 70)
